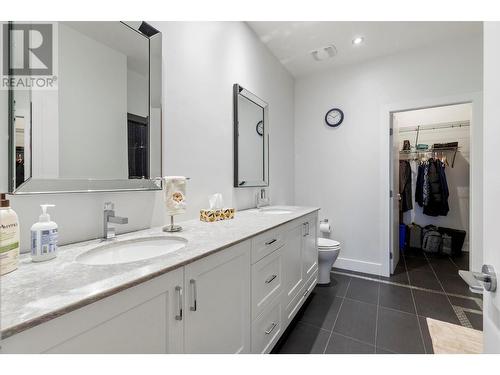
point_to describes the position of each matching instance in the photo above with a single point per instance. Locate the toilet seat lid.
(327, 243)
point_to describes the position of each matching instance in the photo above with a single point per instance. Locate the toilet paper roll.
(325, 228)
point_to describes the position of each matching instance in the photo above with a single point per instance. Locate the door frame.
(475, 172)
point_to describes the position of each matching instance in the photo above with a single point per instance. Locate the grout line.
(460, 316)
(314, 325)
(478, 301)
(355, 339)
(387, 350)
(416, 311)
(435, 275)
(376, 317)
(382, 307)
(451, 260)
(479, 312)
(336, 318)
(456, 265)
(408, 286)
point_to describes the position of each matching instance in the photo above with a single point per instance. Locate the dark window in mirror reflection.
(138, 146)
(19, 166)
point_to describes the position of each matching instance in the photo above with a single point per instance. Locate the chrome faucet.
(262, 199)
(109, 217)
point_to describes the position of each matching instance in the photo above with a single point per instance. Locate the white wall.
(201, 62)
(449, 113)
(137, 95)
(340, 169)
(92, 108)
(457, 177)
(491, 185)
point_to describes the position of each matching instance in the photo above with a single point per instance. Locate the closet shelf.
(416, 153)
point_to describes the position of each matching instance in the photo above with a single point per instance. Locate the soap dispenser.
(9, 237)
(44, 237)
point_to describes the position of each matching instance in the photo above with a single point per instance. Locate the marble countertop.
(38, 292)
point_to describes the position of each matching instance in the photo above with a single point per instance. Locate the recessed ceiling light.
(358, 40)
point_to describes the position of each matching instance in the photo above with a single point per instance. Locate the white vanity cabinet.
(141, 319)
(300, 256)
(310, 246)
(217, 318)
(236, 300)
(301, 265)
(283, 279)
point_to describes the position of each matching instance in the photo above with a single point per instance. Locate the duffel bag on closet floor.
(414, 236)
(457, 239)
(432, 240)
(446, 247)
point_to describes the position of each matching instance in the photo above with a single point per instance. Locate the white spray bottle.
(44, 237)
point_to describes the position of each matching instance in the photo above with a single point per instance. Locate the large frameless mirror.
(96, 126)
(251, 139)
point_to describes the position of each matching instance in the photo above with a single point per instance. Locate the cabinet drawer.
(265, 243)
(294, 306)
(266, 281)
(266, 329)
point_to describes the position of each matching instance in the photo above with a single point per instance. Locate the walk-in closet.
(434, 200)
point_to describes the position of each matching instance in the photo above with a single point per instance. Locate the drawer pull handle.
(271, 242)
(271, 328)
(271, 278)
(194, 306)
(306, 292)
(311, 286)
(178, 289)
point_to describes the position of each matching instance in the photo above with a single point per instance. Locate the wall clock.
(334, 117)
(260, 128)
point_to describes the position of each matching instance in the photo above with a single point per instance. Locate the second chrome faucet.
(262, 198)
(109, 232)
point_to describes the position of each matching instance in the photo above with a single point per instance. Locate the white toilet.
(328, 251)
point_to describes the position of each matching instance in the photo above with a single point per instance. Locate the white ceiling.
(119, 37)
(292, 42)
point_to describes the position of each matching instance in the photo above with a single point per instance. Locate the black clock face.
(334, 117)
(260, 128)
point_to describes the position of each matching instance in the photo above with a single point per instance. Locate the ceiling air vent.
(324, 53)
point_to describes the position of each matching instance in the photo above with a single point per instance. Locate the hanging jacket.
(445, 193)
(419, 197)
(405, 186)
(437, 200)
(425, 186)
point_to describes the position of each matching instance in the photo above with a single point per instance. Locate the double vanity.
(226, 287)
(231, 286)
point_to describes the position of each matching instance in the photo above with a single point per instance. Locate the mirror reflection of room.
(96, 125)
(251, 140)
(251, 137)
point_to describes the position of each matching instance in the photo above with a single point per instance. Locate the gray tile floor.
(360, 313)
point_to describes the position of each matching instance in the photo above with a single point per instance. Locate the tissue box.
(216, 215)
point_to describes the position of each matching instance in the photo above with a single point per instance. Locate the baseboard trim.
(358, 266)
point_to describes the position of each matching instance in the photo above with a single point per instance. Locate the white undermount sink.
(275, 210)
(131, 250)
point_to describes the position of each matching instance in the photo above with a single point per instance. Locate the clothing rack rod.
(464, 124)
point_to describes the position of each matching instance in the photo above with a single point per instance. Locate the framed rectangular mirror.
(251, 139)
(99, 128)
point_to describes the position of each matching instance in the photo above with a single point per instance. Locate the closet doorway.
(430, 184)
